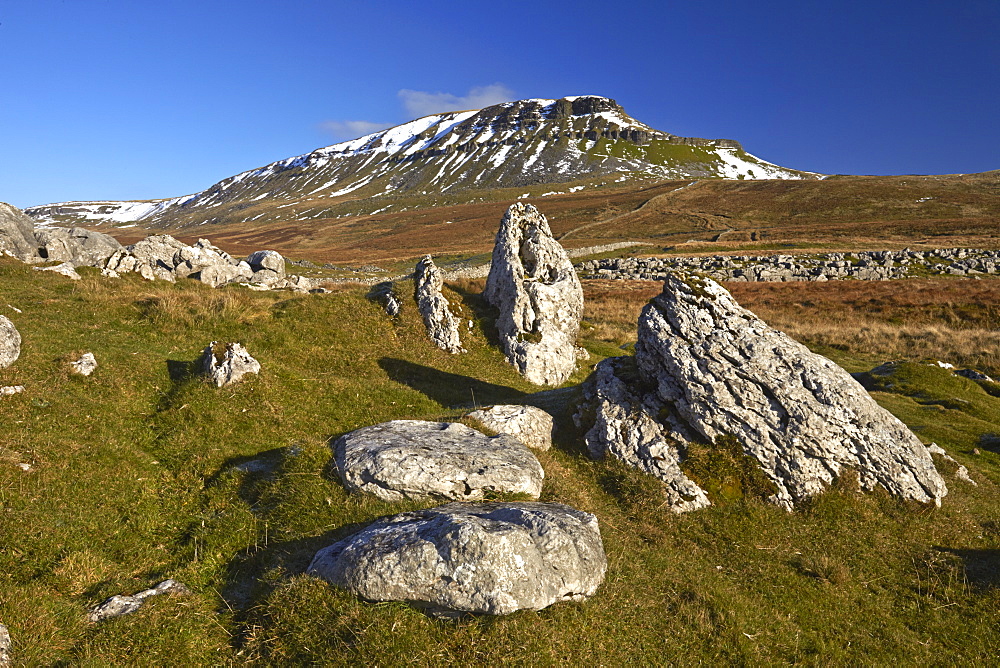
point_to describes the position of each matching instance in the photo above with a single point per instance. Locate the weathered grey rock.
(416, 459)
(532, 426)
(217, 275)
(962, 473)
(116, 606)
(84, 366)
(11, 390)
(267, 260)
(157, 251)
(972, 374)
(210, 265)
(442, 325)
(207, 245)
(724, 372)
(266, 277)
(17, 237)
(384, 294)
(229, 365)
(78, 246)
(10, 342)
(120, 262)
(533, 285)
(157, 257)
(152, 258)
(493, 558)
(119, 605)
(66, 269)
(304, 284)
(626, 425)
(6, 647)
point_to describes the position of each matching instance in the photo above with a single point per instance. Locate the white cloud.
(352, 129)
(422, 103)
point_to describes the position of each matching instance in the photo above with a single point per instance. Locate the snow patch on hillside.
(733, 167)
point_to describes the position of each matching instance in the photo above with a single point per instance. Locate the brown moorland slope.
(839, 212)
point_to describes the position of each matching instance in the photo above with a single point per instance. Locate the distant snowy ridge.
(513, 144)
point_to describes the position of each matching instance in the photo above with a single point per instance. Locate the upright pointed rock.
(534, 286)
(708, 370)
(442, 325)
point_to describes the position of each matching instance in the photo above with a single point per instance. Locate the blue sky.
(129, 99)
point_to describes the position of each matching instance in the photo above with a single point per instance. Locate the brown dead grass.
(838, 213)
(953, 320)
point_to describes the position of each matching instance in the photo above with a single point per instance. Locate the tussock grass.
(143, 471)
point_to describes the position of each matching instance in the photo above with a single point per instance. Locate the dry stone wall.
(864, 266)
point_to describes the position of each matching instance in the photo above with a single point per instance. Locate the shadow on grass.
(982, 567)
(481, 310)
(990, 441)
(182, 371)
(255, 572)
(449, 389)
(458, 391)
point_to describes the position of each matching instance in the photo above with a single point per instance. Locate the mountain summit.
(514, 144)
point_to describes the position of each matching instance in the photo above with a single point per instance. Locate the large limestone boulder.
(17, 237)
(533, 285)
(10, 342)
(532, 426)
(78, 246)
(441, 323)
(416, 459)
(226, 365)
(157, 250)
(152, 258)
(708, 369)
(493, 558)
(268, 266)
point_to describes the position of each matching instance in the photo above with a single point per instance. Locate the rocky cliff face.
(507, 145)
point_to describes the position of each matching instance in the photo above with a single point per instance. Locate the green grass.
(133, 479)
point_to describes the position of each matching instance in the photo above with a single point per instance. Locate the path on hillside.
(639, 208)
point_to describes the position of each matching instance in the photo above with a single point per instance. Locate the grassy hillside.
(135, 475)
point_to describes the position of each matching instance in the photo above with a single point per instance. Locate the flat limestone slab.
(493, 558)
(405, 459)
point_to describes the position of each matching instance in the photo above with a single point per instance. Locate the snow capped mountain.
(513, 144)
